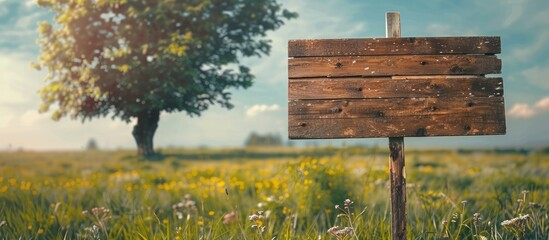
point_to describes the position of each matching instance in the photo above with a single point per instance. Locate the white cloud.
(18, 30)
(543, 104)
(259, 108)
(438, 29)
(356, 28)
(30, 3)
(5, 118)
(19, 83)
(29, 21)
(32, 117)
(541, 17)
(516, 9)
(22, 126)
(526, 52)
(314, 21)
(523, 110)
(537, 75)
(216, 127)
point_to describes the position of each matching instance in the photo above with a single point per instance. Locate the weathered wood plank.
(393, 66)
(386, 87)
(394, 46)
(396, 107)
(434, 125)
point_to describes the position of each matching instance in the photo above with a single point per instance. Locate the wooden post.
(398, 188)
(396, 165)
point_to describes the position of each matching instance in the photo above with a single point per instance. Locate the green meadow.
(272, 193)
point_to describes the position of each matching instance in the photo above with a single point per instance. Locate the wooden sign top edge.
(385, 38)
(394, 46)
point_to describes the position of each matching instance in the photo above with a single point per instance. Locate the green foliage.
(125, 57)
(255, 139)
(199, 194)
(92, 145)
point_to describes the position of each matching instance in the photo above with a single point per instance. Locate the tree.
(92, 145)
(135, 59)
(268, 139)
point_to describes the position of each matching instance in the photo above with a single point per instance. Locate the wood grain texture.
(413, 126)
(404, 108)
(394, 46)
(386, 87)
(392, 24)
(397, 117)
(371, 66)
(398, 188)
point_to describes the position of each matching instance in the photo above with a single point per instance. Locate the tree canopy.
(137, 58)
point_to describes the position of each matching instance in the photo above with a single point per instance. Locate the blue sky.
(522, 24)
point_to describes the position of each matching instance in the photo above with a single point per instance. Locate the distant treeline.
(325, 151)
(523, 151)
(269, 139)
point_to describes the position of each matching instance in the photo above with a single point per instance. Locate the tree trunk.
(143, 132)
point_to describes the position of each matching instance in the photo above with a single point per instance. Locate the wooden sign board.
(394, 87)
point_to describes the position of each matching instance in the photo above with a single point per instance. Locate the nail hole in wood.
(456, 69)
(339, 65)
(421, 132)
(335, 110)
(467, 128)
(470, 104)
(359, 89)
(302, 124)
(422, 63)
(380, 114)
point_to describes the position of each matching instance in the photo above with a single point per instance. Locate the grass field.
(277, 193)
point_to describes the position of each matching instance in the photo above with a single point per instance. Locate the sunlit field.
(277, 193)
